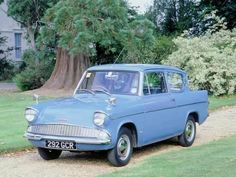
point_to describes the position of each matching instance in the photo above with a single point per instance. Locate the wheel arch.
(195, 116)
(132, 127)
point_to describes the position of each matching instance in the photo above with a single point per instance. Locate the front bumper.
(78, 140)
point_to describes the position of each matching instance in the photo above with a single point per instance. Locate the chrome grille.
(64, 130)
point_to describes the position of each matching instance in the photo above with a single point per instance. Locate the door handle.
(172, 99)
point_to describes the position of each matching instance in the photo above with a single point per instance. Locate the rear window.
(175, 81)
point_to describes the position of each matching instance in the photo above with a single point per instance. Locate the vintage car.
(116, 108)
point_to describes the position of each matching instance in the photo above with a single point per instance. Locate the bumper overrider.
(59, 132)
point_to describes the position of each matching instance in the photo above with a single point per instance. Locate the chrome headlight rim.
(99, 118)
(30, 114)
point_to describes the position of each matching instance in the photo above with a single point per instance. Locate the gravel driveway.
(221, 123)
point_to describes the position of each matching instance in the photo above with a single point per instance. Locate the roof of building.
(133, 67)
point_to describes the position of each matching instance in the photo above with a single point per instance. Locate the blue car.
(116, 108)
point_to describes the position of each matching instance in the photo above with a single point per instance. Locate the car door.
(158, 103)
(176, 82)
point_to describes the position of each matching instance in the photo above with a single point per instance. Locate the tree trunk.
(67, 71)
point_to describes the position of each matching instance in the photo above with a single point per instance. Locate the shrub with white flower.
(209, 60)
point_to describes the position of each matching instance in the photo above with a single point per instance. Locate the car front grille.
(64, 130)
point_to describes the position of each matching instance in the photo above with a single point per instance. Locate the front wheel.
(49, 154)
(189, 134)
(120, 155)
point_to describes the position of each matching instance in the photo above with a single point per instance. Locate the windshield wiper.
(103, 91)
(87, 90)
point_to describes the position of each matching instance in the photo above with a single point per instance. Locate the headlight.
(99, 118)
(30, 114)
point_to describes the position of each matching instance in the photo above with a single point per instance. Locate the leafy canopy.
(28, 12)
(83, 26)
(225, 8)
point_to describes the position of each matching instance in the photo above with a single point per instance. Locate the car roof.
(133, 67)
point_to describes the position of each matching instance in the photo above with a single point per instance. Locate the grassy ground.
(13, 124)
(216, 159)
(218, 102)
(12, 121)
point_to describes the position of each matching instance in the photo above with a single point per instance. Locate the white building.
(14, 33)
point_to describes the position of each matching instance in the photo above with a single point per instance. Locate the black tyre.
(120, 155)
(189, 134)
(49, 154)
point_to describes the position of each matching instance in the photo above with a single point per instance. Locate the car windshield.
(112, 82)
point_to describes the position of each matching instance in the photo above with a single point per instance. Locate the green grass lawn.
(216, 159)
(218, 102)
(12, 121)
(13, 124)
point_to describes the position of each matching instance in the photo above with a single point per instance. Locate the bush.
(210, 61)
(34, 75)
(7, 70)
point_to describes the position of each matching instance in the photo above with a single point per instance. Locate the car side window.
(154, 83)
(175, 81)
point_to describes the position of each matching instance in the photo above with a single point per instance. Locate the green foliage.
(97, 28)
(7, 69)
(163, 47)
(34, 75)
(209, 60)
(172, 16)
(29, 12)
(225, 9)
(209, 23)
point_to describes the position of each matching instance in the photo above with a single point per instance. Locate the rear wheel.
(189, 134)
(120, 155)
(49, 154)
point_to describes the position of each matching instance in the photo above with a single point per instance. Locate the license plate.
(67, 145)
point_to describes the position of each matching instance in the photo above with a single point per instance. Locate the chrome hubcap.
(123, 147)
(189, 130)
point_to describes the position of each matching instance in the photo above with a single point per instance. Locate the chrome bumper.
(83, 140)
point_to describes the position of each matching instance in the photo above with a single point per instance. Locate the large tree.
(172, 16)
(84, 29)
(29, 13)
(225, 8)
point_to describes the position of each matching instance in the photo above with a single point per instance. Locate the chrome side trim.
(37, 137)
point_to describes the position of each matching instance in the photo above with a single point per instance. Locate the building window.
(18, 45)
